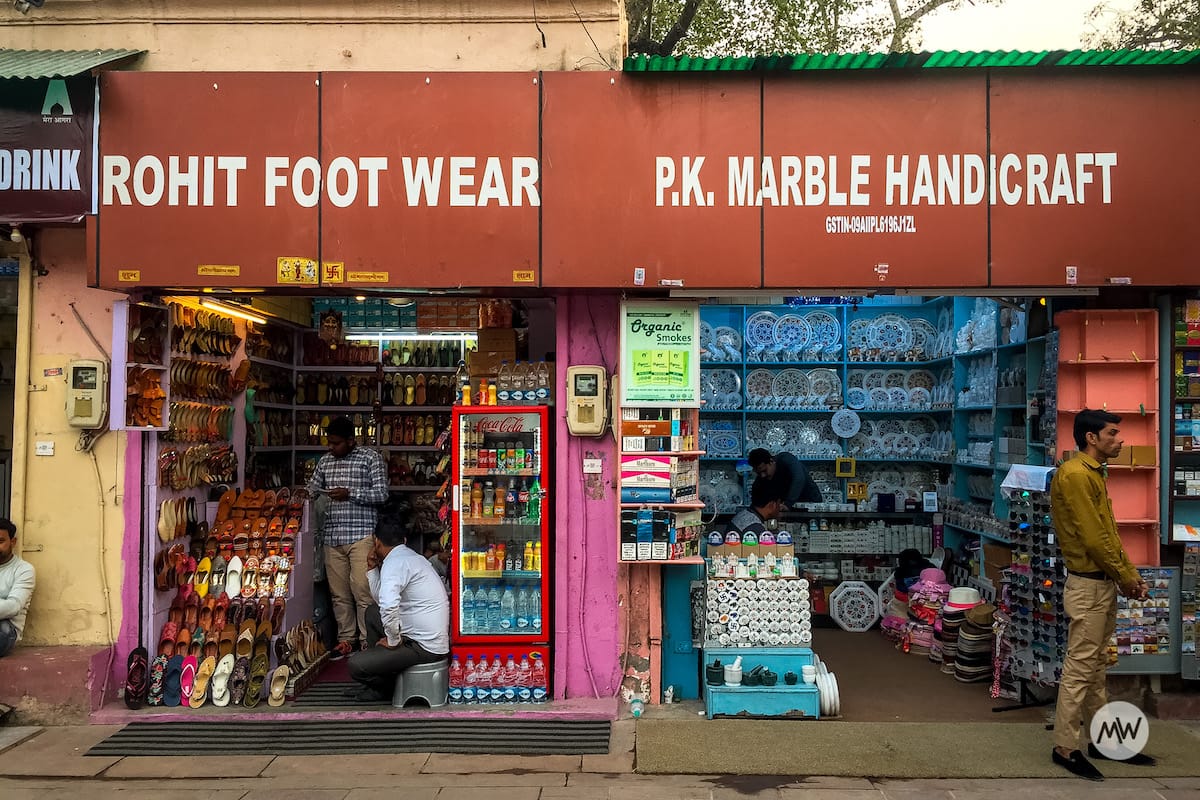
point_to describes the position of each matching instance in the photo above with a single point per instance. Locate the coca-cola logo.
(513, 424)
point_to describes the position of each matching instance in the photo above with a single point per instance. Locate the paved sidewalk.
(49, 764)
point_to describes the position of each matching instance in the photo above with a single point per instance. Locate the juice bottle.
(537, 556)
(528, 557)
(500, 551)
(490, 564)
(476, 500)
(489, 496)
(498, 501)
(492, 397)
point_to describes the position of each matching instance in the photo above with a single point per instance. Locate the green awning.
(57, 63)
(940, 59)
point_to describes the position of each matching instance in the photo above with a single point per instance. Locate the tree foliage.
(1150, 25)
(762, 27)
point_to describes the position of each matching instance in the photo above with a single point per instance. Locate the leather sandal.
(259, 667)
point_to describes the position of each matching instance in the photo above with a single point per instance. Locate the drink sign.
(660, 354)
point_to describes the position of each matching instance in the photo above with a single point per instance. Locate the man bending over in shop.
(409, 623)
(795, 484)
(16, 588)
(356, 480)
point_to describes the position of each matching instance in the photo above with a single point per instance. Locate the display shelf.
(1185, 497)
(373, 367)
(269, 363)
(148, 366)
(897, 364)
(476, 472)
(415, 370)
(696, 504)
(416, 409)
(1182, 400)
(674, 453)
(1140, 522)
(359, 408)
(687, 560)
(1011, 407)
(412, 448)
(1011, 346)
(496, 522)
(1132, 467)
(864, 513)
(776, 412)
(904, 411)
(972, 465)
(983, 534)
(287, 448)
(1118, 411)
(414, 488)
(281, 406)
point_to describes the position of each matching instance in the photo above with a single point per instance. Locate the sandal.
(279, 682)
(262, 638)
(171, 688)
(225, 641)
(258, 677)
(250, 577)
(237, 683)
(419, 395)
(244, 648)
(187, 680)
(204, 675)
(220, 680)
(136, 678)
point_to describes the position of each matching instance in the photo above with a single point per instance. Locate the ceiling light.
(360, 297)
(221, 308)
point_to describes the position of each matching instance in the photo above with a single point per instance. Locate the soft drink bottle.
(510, 502)
(523, 609)
(496, 689)
(524, 690)
(510, 680)
(535, 610)
(470, 678)
(456, 682)
(522, 500)
(537, 679)
(543, 383)
(467, 608)
(504, 384)
(533, 514)
(508, 610)
(493, 621)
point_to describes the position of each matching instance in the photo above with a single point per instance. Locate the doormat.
(316, 737)
(332, 694)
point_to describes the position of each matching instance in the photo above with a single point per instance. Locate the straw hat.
(962, 598)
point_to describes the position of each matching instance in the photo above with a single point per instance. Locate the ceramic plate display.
(893, 378)
(898, 397)
(887, 591)
(759, 386)
(837, 696)
(776, 437)
(826, 330)
(825, 383)
(919, 397)
(792, 332)
(890, 332)
(854, 606)
(925, 338)
(792, 383)
(857, 334)
(760, 330)
(880, 399)
(724, 443)
(822, 695)
(874, 378)
(729, 341)
(857, 398)
(706, 335)
(846, 423)
(919, 377)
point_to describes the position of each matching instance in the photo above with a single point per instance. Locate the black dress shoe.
(1077, 765)
(1138, 760)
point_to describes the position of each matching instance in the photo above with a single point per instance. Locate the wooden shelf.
(1119, 411)
(1102, 361)
(1139, 522)
(663, 505)
(675, 453)
(283, 406)
(269, 363)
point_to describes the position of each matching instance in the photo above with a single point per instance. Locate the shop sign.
(660, 354)
(46, 149)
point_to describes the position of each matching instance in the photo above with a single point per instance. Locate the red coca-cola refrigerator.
(500, 596)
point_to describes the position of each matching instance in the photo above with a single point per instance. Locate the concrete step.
(54, 685)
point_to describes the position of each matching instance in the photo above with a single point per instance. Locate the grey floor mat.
(299, 737)
(330, 694)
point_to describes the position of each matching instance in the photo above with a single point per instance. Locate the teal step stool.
(780, 700)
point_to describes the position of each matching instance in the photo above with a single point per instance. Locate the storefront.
(1003, 186)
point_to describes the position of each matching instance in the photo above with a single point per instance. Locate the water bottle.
(470, 678)
(537, 679)
(543, 383)
(523, 610)
(456, 682)
(508, 610)
(516, 392)
(496, 690)
(504, 384)
(469, 622)
(524, 690)
(510, 680)
(531, 384)
(483, 681)
(636, 706)
(535, 610)
(493, 610)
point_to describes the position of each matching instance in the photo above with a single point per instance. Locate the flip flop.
(219, 688)
(200, 687)
(258, 677)
(279, 680)
(187, 680)
(136, 678)
(237, 683)
(158, 677)
(171, 688)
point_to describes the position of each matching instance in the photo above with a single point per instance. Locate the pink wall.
(586, 612)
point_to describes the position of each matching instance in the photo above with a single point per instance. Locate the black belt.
(1096, 576)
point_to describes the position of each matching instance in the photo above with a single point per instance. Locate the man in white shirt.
(410, 621)
(16, 588)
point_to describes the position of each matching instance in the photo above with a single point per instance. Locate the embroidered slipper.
(206, 615)
(237, 683)
(203, 574)
(196, 648)
(158, 677)
(171, 688)
(136, 678)
(166, 639)
(233, 577)
(220, 680)
(200, 687)
(226, 640)
(279, 680)
(258, 676)
(191, 611)
(216, 584)
(250, 577)
(220, 613)
(187, 679)
(175, 614)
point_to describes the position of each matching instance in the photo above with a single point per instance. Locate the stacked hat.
(973, 658)
(927, 596)
(960, 600)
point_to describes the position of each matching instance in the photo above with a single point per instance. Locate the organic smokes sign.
(660, 354)
(46, 149)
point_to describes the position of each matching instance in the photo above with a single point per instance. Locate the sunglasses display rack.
(1037, 629)
(1189, 658)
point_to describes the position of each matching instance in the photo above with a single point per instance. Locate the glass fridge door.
(500, 525)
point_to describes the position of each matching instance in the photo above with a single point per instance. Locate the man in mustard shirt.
(1097, 568)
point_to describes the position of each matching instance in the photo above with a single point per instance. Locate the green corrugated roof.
(938, 59)
(57, 63)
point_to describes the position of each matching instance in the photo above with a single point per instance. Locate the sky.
(1013, 25)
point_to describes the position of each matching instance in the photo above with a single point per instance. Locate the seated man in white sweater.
(409, 623)
(16, 587)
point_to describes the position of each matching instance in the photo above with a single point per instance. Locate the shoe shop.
(708, 415)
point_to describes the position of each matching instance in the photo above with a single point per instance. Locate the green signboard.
(660, 354)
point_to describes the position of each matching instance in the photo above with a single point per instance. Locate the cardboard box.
(1144, 455)
(996, 558)
(1125, 458)
(646, 427)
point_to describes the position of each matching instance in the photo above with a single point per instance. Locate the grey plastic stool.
(429, 682)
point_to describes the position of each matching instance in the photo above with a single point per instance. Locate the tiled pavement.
(49, 764)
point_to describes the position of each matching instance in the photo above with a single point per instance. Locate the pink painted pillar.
(586, 614)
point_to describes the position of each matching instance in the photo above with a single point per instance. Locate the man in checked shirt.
(356, 481)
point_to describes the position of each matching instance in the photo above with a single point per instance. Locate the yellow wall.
(55, 499)
(215, 35)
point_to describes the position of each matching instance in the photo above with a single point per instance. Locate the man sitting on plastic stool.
(409, 623)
